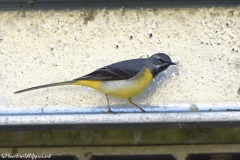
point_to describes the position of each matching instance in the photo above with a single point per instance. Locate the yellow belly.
(121, 88)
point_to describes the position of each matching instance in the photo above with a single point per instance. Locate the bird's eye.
(161, 60)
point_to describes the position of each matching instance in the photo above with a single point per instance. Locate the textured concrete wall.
(46, 46)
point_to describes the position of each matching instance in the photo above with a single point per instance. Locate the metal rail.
(186, 116)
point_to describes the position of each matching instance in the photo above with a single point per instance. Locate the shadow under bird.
(125, 79)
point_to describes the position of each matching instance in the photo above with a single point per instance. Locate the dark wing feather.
(117, 71)
(107, 74)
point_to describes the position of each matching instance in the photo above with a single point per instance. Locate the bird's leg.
(130, 100)
(109, 109)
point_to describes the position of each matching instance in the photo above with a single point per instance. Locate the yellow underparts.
(89, 83)
(121, 88)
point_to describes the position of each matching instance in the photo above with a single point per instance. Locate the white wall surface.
(46, 46)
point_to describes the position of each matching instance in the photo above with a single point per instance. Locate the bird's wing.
(108, 74)
(118, 71)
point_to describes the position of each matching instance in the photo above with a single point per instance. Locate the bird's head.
(160, 62)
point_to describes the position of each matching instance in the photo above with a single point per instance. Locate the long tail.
(45, 86)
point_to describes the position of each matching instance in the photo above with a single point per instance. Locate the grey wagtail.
(125, 79)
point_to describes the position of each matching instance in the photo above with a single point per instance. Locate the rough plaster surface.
(41, 47)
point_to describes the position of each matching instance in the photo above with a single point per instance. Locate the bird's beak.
(171, 63)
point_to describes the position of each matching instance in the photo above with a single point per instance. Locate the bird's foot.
(110, 111)
(143, 111)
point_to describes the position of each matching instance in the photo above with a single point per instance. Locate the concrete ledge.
(180, 152)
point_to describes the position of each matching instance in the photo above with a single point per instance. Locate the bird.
(124, 79)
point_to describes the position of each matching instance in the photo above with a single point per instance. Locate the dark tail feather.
(45, 86)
